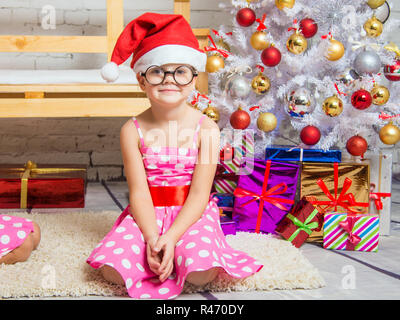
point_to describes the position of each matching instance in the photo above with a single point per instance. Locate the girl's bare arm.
(141, 204)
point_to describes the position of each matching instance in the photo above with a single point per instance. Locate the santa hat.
(155, 39)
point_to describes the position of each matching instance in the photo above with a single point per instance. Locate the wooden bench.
(89, 95)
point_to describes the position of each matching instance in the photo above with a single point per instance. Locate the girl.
(18, 238)
(170, 232)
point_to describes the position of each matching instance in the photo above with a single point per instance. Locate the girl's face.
(168, 93)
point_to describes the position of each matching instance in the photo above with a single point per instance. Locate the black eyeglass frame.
(194, 74)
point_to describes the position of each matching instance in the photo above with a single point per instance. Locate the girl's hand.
(153, 259)
(165, 248)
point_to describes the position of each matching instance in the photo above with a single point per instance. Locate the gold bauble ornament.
(223, 45)
(266, 121)
(333, 106)
(260, 84)
(390, 134)
(212, 112)
(375, 3)
(296, 43)
(380, 95)
(281, 4)
(214, 63)
(259, 40)
(335, 50)
(373, 27)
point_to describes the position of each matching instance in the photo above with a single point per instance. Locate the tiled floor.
(348, 275)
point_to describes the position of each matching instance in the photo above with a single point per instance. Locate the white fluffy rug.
(58, 267)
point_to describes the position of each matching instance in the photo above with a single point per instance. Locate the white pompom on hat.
(155, 39)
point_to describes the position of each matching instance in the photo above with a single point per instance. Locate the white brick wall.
(95, 141)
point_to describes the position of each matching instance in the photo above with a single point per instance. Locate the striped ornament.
(243, 145)
(366, 226)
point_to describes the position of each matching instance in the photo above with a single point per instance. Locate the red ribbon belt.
(169, 195)
(343, 200)
(266, 195)
(347, 226)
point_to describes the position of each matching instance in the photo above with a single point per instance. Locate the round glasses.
(182, 75)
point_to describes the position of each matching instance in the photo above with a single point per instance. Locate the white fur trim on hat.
(178, 54)
(110, 71)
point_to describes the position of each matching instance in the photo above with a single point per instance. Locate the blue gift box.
(225, 203)
(288, 153)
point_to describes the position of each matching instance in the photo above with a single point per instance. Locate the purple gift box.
(228, 226)
(279, 183)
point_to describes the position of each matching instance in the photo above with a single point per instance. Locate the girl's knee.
(25, 249)
(36, 235)
(19, 254)
(111, 275)
(200, 278)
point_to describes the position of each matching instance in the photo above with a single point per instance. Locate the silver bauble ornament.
(299, 102)
(349, 78)
(367, 62)
(238, 86)
(383, 12)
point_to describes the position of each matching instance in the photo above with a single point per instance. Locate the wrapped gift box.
(358, 232)
(298, 225)
(42, 186)
(288, 153)
(228, 226)
(225, 203)
(381, 187)
(340, 187)
(264, 194)
(234, 145)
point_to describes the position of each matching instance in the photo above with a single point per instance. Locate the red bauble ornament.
(308, 27)
(361, 99)
(357, 146)
(271, 57)
(392, 72)
(240, 119)
(226, 153)
(310, 135)
(245, 17)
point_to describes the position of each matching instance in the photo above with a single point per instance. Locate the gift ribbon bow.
(223, 52)
(394, 48)
(338, 91)
(266, 195)
(347, 226)
(343, 200)
(377, 197)
(197, 97)
(359, 44)
(261, 21)
(30, 169)
(305, 226)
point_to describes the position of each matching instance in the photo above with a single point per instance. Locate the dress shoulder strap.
(197, 131)
(139, 131)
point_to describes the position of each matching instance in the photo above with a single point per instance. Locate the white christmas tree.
(322, 66)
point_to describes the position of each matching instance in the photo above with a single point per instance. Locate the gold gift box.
(358, 173)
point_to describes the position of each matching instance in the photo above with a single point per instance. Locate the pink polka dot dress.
(201, 247)
(13, 232)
